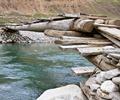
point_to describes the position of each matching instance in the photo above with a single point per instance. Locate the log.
(83, 40)
(112, 39)
(113, 22)
(63, 25)
(106, 25)
(100, 63)
(83, 25)
(57, 33)
(110, 31)
(115, 55)
(74, 46)
(97, 50)
(83, 70)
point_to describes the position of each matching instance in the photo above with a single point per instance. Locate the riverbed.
(27, 70)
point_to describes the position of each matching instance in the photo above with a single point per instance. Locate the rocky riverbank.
(13, 36)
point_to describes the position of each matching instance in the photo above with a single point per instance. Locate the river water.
(28, 70)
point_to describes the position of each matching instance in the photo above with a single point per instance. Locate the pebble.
(116, 80)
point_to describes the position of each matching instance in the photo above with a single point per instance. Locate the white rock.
(91, 80)
(109, 86)
(103, 95)
(70, 92)
(100, 77)
(116, 80)
(94, 87)
(115, 95)
(112, 73)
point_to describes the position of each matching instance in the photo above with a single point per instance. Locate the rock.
(116, 80)
(103, 95)
(70, 92)
(94, 87)
(115, 95)
(112, 73)
(91, 80)
(100, 77)
(109, 86)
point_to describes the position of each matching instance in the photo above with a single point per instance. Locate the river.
(26, 70)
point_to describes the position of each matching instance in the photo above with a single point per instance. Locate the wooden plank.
(83, 70)
(106, 25)
(77, 38)
(83, 41)
(115, 55)
(98, 50)
(115, 41)
(57, 33)
(74, 46)
(110, 31)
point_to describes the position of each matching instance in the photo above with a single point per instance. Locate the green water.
(27, 70)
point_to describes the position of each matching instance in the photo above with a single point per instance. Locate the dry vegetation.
(43, 8)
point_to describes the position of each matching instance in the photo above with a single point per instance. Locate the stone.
(103, 95)
(91, 80)
(116, 80)
(94, 87)
(115, 95)
(108, 86)
(100, 77)
(69, 92)
(112, 73)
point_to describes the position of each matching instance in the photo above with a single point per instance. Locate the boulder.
(69, 92)
(115, 95)
(116, 80)
(112, 73)
(109, 86)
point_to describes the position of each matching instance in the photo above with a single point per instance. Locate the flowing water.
(28, 70)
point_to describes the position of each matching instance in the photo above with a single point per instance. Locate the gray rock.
(91, 80)
(116, 80)
(94, 87)
(103, 95)
(100, 77)
(112, 73)
(109, 86)
(70, 92)
(115, 95)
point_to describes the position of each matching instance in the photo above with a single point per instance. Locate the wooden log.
(83, 25)
(63, 25)
(106, 25)
(110, 31)
(112, 39)
(100, 62)
(57, 33)
(113, 22)
(83, 70)
(115, 55)
(97, 50)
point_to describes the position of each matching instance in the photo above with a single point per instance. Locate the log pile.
(97, 38)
